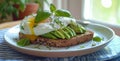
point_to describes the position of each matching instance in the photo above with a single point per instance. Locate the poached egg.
(32, 30)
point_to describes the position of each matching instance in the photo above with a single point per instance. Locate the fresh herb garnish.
(93, 44)
(21, 27)
(59, 12)
(23, 42)
(37, 46)
(41, 15)
(63, 13)
(82, 46)
(48, 47)
(97, 39)
(57, 20)
(52, 8)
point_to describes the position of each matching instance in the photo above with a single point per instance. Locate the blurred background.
(103, 10)
(107, 11)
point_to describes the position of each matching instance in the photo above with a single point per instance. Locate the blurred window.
(98, 10)
(103, 10)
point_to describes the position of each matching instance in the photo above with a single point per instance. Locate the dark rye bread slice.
(87, 36)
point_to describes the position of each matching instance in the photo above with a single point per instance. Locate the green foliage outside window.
(106, 10)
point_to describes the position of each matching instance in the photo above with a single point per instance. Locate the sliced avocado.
(56, 34)
(77, 28)
(68, 31)
(74, 27)
(72, 31)
(60, 34)
(83, 29)
(67, 36)
(80, 30)
(49, 35)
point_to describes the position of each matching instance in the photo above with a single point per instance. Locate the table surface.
(111, 53)
(8, 24)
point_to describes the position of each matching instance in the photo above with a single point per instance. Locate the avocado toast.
(56, 28)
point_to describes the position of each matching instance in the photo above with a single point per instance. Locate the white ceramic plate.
(104, 32)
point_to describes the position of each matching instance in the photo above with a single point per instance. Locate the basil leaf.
(23, 42)
(41, 15)
(97, 39)
(82, 46)
(57, 20)
(61, 12)
(52, 8)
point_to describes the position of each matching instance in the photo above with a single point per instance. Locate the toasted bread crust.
(87, 36)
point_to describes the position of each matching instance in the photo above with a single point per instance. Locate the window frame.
(72, 6)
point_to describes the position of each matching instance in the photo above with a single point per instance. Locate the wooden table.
(8, 24)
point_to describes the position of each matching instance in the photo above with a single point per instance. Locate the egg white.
(41, 28)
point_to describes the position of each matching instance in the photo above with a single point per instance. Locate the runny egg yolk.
(31, 24)
(31, 37)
